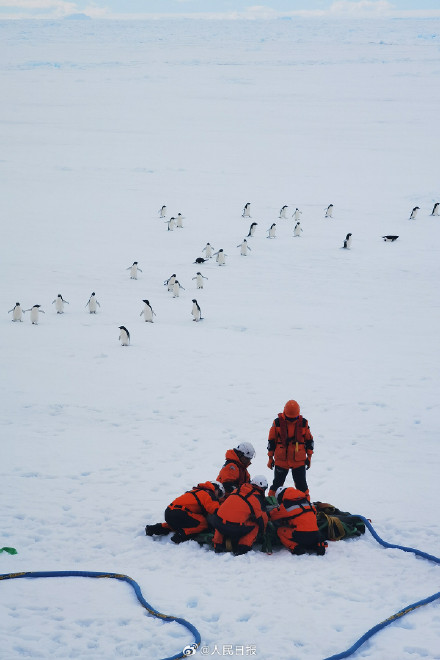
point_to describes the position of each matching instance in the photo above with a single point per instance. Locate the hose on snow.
(400, 613)
(132, 583)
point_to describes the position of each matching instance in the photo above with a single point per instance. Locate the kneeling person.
(240, 517)
(296, 524)
(187, 514)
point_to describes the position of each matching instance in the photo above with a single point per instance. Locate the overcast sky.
(229, 8)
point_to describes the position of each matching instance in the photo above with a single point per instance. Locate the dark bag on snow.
(335, 524)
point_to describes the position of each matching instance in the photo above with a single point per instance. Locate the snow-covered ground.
(102, 124)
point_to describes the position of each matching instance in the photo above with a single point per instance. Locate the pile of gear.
(233, 512)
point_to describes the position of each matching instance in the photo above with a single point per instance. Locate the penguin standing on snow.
(93, 304)
(147, 312)
(347, 242)
(252, 229)
(59, 303)
(208, 250)
(414, 212)
(196, 311)
(436, 209)
(176, 288)
(283, 212)
(272, 231)
(296, 214)
(124, 336)
(163, 211)
(221, 257)
(297, 229)
(17, 312)
(35, 313)
(246, 211)
(244, 248)
(179, 223)
(134, 269)
(170, 281)
(171, 224)
(329, 211)
(199, 277)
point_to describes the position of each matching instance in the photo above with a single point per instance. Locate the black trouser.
(179, 520)
(298, 474)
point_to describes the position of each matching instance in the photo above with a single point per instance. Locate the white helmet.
(247, 449)
(260, 481)
(279, 492)
(219, 488)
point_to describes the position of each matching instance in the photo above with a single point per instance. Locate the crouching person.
(295, 522)
(240, 517)
(234, 472)
(187, 515)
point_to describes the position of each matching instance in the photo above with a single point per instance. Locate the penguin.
(221, 257)
(244, 248)
(147, 312)
(134, 269)
(297, 229)
(35, 313)
(329, 211)
(200, 260)
(163, 211)
(208, 250)
(246, 211)
(59, 303)
(196, 311)
(414, 212)
(283, 212)
(171, 224)
(296, 214)
(199, 277)
(176, 288)
(93, 304)
(436, 209)
(252, 229)
(179, 223)
(347, 242)
(272, 231)
(124, 336)
(170, 281)
(390, 238)
(17, 312)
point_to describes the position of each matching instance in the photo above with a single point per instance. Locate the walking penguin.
(35, 313)
(147, 312)
(414, 212)
(283, 212)
(124, 336)
(272, 231)
(208, 250)
(93, 304)
(199, 277)
(162, 211)
(176, 288)
(329, 211)
(170, 281)
(246, 211)
(134, 269)
(297, 229)
(347, 242)
(436, 209)
(221, 257)
(296, 214)
(17, 312)
(252, 229)
(196, 311)
(244, 248)
(59, 303)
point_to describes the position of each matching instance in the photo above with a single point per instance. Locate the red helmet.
(291, 409)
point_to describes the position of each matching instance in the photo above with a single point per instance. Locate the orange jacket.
(295, 511)
(246, 505)
(290, 441)
(233, 474)
(200, 499)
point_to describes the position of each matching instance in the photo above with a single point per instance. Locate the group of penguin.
(172, 283)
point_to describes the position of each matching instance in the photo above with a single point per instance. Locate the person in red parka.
(187, 514)
(290, 447)
(240, 517)
(296, 523)
(234, 472)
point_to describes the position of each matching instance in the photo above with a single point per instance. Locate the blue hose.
(117, 576)
(393, 617)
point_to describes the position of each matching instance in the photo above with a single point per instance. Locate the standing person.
(290, 447)
(240, 517)
(187, 515)
(296, 523)
(234, 472)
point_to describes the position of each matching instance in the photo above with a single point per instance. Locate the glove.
(270, 463)
(307, 463)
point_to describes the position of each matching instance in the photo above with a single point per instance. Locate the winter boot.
(178, 538)
(156, 530)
